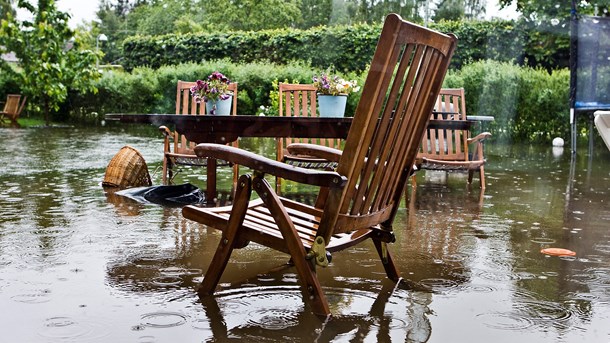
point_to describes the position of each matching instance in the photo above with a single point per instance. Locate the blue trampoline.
(589, 67)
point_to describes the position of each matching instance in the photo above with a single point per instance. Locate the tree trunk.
(46, 111)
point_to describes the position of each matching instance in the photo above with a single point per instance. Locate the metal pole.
(573, 74)
(101, 37)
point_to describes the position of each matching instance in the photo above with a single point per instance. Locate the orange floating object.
(558, 252)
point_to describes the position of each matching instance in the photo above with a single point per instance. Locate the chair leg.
(306, 270)
(386, 259)
(165, 170)
(278, 185)
(482, 177)
(229, 239)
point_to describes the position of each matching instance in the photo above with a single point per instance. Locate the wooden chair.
(299, 100)
(363, 194)
(181, 151)
(12, 108)
(447, 149)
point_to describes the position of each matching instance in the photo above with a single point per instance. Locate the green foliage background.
(348, 48)
(155, 90)
(528, 104)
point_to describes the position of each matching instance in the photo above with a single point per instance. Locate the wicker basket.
(127, 169)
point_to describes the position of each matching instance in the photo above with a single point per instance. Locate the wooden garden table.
(226, 129)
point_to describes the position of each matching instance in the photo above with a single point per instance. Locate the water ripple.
(163, 319)
(70, 329)
(505, 321)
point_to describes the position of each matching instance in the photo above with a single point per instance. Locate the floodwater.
(81, 265)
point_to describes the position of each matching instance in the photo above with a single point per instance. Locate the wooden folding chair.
(364, 192)
(447, 149)
(12, 108)
(181, 152)
(299, 100)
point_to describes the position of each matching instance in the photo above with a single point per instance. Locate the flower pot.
(219, 107)
(331, 105)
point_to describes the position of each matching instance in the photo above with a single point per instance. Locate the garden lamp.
(102, 37)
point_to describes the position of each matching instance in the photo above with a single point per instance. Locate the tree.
(315, 12)
(459, 9)
(250, 15)
(6, 7)
(449, 10)
(474, 9)
(547, 10)
(51, 60)
(374, 11)
(548, 24)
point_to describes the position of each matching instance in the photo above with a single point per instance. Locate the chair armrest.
(479, 138)
(314, 150)
(165, 131)
(269, 166)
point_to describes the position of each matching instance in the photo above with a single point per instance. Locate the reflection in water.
(78, 263)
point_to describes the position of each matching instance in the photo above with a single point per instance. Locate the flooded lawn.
(80, 265)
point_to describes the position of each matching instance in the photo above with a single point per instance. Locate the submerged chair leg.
(165, 170)
(305, 269)
(229, 239)
(386, 259)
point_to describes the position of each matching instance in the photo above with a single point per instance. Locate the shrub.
(349, 48)
(145, 90)
(528, 104)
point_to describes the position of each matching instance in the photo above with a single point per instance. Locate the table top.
(224, 129)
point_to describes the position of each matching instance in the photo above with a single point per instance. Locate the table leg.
(210, 192)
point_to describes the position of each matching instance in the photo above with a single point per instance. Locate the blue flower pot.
(331, 105)
(219, 107)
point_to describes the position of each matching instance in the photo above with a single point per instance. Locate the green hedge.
(527, 104)
(145, 90)
(348, 48)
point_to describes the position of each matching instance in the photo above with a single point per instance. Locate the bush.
(349, 48)
(528, 104)
(154, 91)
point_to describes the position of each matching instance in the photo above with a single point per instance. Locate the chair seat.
(310, 163)
(193, 160)
(431, 164)
(260, 227)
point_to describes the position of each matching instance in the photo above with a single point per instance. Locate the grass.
(26, 122)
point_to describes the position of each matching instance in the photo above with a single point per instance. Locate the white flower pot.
(331, 105)
(219, 107)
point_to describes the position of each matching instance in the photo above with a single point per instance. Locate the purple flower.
(213, 88)
(334, 84)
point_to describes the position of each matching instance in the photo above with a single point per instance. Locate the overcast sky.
(79, 10)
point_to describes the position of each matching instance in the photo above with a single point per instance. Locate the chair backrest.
(13, 105)
(447, 144)
(185, 104)
(402, 85)
(299, 100)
